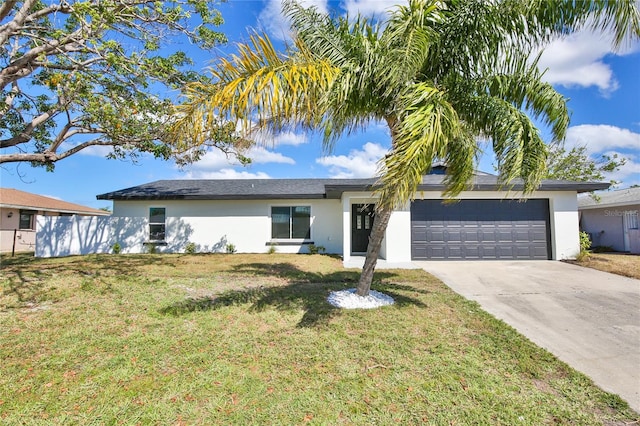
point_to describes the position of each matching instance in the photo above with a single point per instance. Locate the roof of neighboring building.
(13, 198)
(620, 197)
(226, 189)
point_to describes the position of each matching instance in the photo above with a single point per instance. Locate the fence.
(17, 240)
(69, 235)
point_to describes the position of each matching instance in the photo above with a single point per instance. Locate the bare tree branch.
(5, 8)
(52, 157)
(19, 19)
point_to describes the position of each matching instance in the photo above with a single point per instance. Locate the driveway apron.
(587, 318)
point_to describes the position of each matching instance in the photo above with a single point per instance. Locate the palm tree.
(440, 74)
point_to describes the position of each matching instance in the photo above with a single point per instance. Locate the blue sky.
(603, 88)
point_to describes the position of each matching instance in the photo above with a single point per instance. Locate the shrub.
(585, 245)
(116, 248)
(314, 249)
(190, 248)
(230, 248)
(273, 248)
(151, 249)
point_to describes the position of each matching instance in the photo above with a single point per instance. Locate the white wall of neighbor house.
(12, 237)
(607, 227)
(212, 224)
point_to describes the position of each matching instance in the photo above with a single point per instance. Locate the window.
(26, 219)
(157, 224)
(291, 222)
(631, 219)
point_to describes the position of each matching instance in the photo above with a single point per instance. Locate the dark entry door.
(361, 223)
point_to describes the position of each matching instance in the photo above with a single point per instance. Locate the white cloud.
(216, 165)
(290, 138)
(272, 21)
(369, 8)
(358, 164)
(260, 155)
(224, 174)
(214, 159)
(577, 60)
(284, 138)
(602, 137)
(93, 150)
(609, 140)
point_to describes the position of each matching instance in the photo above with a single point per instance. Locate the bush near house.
(250, 339)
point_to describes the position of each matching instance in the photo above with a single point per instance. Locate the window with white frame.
(291, 222)
(157, 218)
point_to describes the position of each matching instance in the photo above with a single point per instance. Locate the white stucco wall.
(211, 225)
(606, 226)
(396, 247)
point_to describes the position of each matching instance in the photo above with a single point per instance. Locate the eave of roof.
(617, 198)
(280, 189)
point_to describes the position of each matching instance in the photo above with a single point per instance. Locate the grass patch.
(250, 339)
(627, 265)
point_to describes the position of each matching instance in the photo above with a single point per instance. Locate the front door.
(361, 223)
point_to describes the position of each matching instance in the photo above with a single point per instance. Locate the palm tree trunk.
(373, 248)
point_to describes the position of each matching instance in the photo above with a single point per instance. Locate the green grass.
(250, 339)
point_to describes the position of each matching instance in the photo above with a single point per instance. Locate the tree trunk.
(373, 248)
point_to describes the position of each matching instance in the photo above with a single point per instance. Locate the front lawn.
(624, 264)
(250, 339)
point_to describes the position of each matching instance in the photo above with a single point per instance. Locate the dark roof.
(620, 197)
(262, 189)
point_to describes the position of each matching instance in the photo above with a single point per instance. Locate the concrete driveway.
(587, 318)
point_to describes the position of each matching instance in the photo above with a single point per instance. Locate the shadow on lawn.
(26, 277)
(306, 291)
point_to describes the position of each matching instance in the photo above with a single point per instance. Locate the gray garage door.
(480, 229)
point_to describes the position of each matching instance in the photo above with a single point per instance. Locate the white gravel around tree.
(348, 299)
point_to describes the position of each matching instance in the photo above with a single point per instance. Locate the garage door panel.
(436, 236)
(472, 251)
(472, 236)
(480, 229)
(454, 252)
(453, 236)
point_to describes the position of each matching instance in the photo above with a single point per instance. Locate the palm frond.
(427, 127)
(257, 88)
(526, 90)
(406, 40)
(549, 19)
(519, 148)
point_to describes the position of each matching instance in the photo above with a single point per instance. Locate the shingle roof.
(13, 198)
(226, 189)
(620, 197)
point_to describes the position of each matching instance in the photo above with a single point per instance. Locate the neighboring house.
(488, 223)
(18, 213)
(611, 219)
